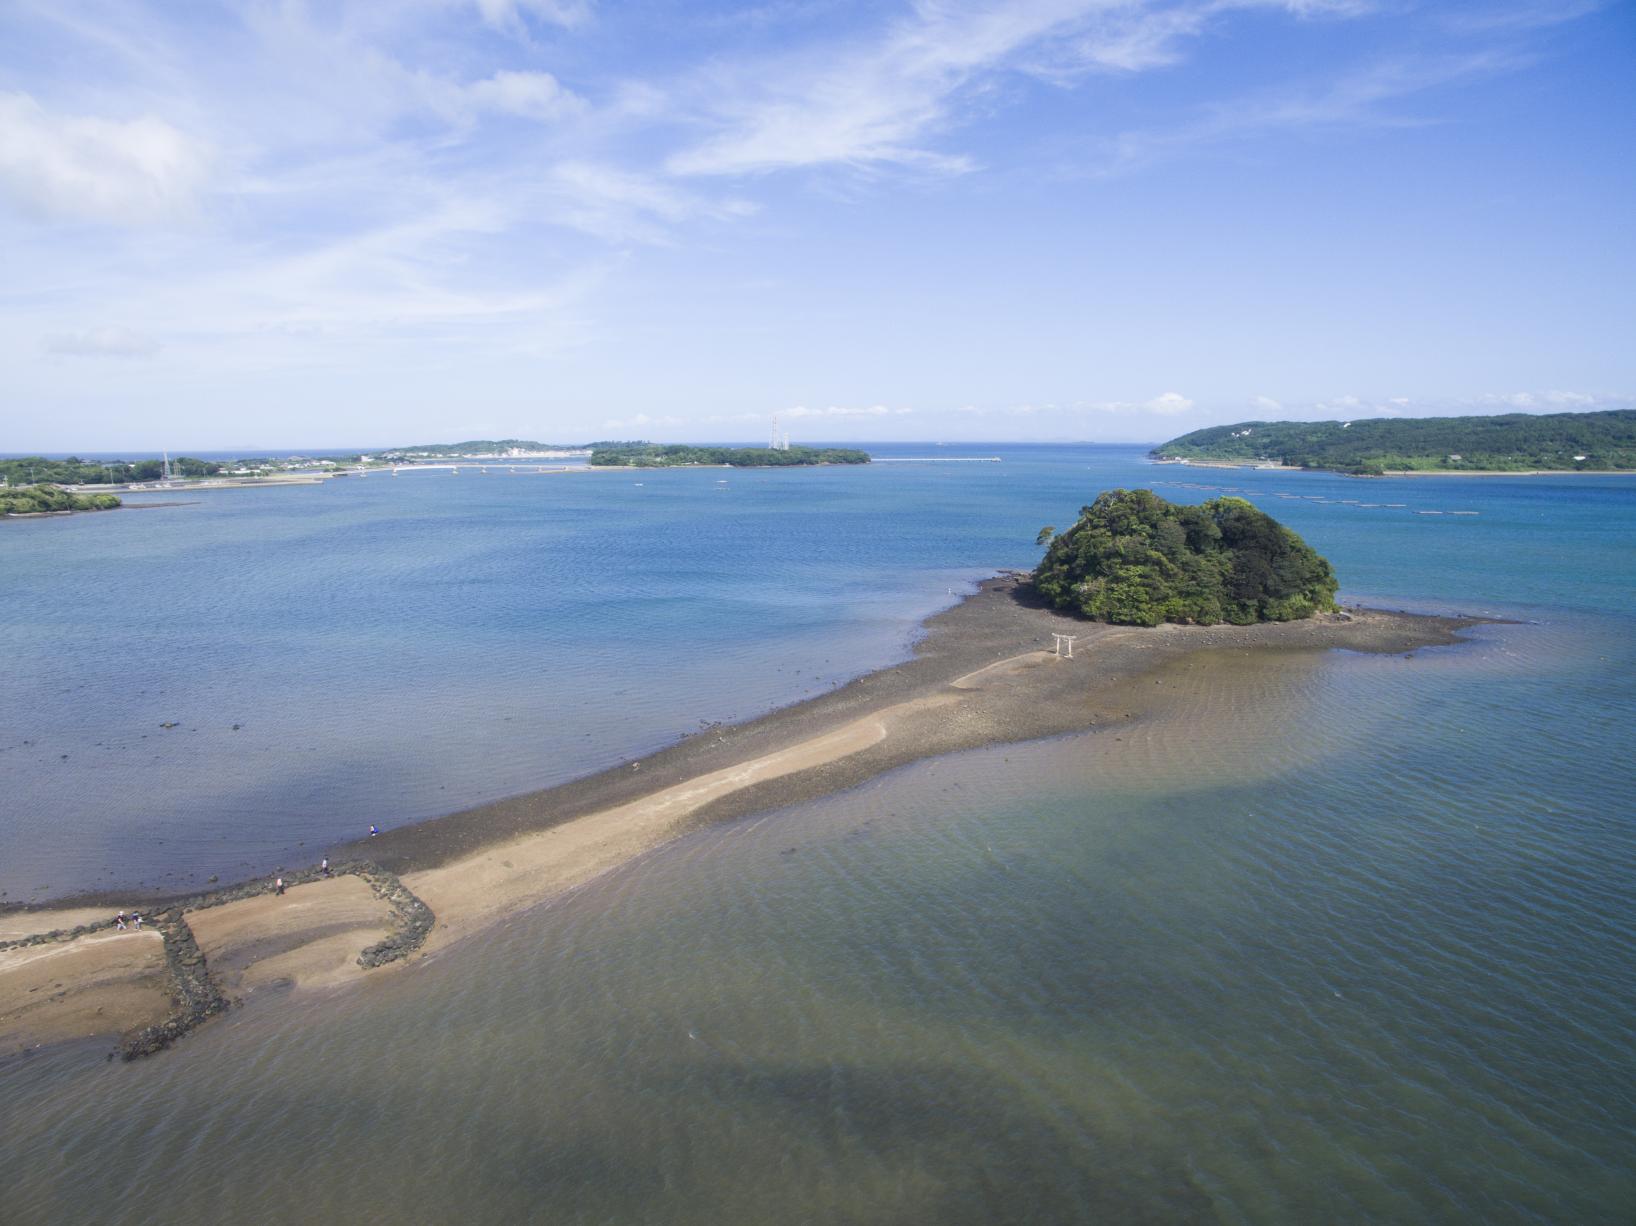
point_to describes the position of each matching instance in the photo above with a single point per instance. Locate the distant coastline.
(1510, 444)
(983, 674)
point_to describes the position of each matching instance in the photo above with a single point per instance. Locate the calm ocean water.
(1348, 938)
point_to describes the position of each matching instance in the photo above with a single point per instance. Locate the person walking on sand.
(373, 830)
(136, 918)
(278, 885)
(323, 866)
(120, 920)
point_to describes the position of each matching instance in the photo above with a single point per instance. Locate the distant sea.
(1349, 938)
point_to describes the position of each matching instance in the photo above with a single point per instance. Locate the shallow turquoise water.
(1347, 938)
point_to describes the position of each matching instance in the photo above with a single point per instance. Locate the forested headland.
(1134, 559)
(654, 455)
(1511, 442)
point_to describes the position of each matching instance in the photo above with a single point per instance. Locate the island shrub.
(1137, 560)
(39, 499)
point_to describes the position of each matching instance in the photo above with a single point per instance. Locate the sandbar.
(984, 672)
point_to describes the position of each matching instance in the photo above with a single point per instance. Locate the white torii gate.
(1063, 640)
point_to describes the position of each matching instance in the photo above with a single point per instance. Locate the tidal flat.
(998, 667)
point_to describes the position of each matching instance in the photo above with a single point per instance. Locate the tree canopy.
(28, 470)
(1137, 560)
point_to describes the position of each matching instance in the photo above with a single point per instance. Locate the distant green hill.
(1513, 442)
(480, 446)
(654, 455)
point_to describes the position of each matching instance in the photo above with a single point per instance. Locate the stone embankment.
(194, 990)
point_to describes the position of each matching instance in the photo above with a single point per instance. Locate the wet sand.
(307, 937)
(97, 985)
(984, 673)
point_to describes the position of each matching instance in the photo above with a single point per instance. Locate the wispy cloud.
(103, 343)
(836, 410)
(1360, 98)
(531, 95)
(283, 187)
(641, 421)
(509, 15)
(1165, 404)
(124, 171)
(1349, 406)
(885, 100)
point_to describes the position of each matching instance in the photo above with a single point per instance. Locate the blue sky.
(328, 224)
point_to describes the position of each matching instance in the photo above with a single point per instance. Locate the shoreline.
(983, 673)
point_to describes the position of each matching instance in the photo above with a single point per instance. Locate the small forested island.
(1135, 559)
(1512, 442)
(49, 500)
(654, 455)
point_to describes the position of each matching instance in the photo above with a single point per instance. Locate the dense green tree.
(31, 470)
(1135, 559)
(36, 499)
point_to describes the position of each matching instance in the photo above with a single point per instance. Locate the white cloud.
(530, 95)
(1167, 404)
(129, 171)
(103, 343)
(1267, 404)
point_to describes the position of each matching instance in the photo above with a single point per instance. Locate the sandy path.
(17, 925)
(475, 890)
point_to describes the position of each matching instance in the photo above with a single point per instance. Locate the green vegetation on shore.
(42, 499)
(653, 455)
(1513, 442)
(30, 470)
(1137, 560)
